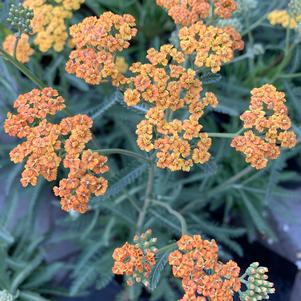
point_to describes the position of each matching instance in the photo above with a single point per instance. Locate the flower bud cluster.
(258, 286)
(19, 17)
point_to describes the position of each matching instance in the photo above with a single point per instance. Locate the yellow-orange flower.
(96, 40)
(225, 8)
(48, 23)
(203, 276)
(23, 51)
(169, 87)
(267, 116)
(42, 140)
(47, 143)
(282, 17)
(213, 46)
(188, 12)
(136, 261)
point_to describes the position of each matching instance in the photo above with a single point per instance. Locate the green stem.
(18, 36)
(174, 213)
(112, 151)
(286, 59)
(23, 69)
(167, 248)
(225, 135)
(292, 75)
(147, 198)
(221, 188)
(229, 182)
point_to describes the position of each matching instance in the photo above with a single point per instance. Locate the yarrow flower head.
(203, 276)
(76, 190)
(169, 87)
(188, 12)
(258, 286)
(43, 148)
(136, 261)
(42, 141)
(96, 41)
(212, 45)
(48, 23)
(268, 117)
(283, 18)
(23, 50)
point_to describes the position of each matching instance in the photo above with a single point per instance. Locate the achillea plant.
(179, 126)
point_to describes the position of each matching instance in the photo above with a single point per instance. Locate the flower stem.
(112, 151)
(167, 248)
(225, 135)
(292, 75)
(225, 185)
(22, 68)
(222, 187)
(147, 198)
(18, 35)
(175, 213)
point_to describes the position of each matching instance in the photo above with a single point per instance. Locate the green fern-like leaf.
(105, 106)
(157, 270)
(126, 177)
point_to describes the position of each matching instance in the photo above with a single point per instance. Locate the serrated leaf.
(157, 270)
(103, 107)
(210, 78)
(258, 220)
(124, 181)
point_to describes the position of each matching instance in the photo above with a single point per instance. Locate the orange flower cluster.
(188, 12)
(75, 191)
(136, 261)
(213, 46)
(44, 141)
(203, 276)
(23, 51)
(170, 87)
(268, 117)
(41, 136)
(225, 8)
(96, 40)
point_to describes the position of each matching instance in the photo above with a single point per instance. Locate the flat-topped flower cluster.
(47, 144)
